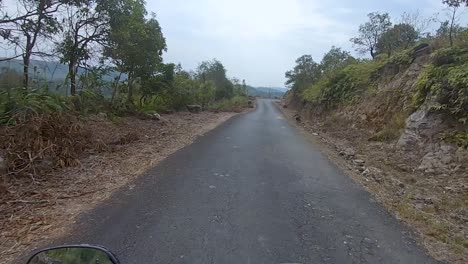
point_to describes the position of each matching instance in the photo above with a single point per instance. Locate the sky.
(259, 40)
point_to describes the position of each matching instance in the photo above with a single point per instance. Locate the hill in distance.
(266, 92)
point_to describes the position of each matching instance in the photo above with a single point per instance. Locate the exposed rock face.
(443, 158)
(420, 126)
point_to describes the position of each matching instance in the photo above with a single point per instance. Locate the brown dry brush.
(34, 143)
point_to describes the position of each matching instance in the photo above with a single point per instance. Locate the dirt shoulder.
(435, 205)
(33, 211)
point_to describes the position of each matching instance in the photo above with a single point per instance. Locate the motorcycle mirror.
(74, 254)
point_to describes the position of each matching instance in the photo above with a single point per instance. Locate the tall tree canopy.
(400, 36)
(214, 71)
(370, 33)
(306, 72)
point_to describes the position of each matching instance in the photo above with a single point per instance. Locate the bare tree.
(454, 6)
(85, 24)
(34, 19)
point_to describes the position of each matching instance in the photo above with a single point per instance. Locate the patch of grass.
(392, 131)
(235, 104)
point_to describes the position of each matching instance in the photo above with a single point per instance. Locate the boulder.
(194, 108)
(421, 125)
(441, 159)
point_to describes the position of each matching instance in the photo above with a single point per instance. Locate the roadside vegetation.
(113, 55)
(403, 109)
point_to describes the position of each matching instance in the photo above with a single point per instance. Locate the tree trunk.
(72, 76)
(451, 26)
(115, 86)
(26, 60)
(372, 53)
(130, 89)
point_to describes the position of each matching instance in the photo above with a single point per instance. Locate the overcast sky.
(259, 40)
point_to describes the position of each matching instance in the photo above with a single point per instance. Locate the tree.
(454, 5)
(85, 24)
(370, 32)
(305, 73)
(135, 43)
(215, 72)
(417, 21)
(335, 59)
(401, 36)
(35, 19)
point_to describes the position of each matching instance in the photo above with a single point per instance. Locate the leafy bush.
(446, 80)
(345, 85)
(16, 104)
(446, 56)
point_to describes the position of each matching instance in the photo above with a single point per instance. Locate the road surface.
(253, 190)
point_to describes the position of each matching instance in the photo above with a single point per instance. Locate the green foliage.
(446, 81)
(447, 56)
(305, 73)
(16, 102)
(370, 32)
(235, 104)
(214, 71)
(404, 57)
(399, 37)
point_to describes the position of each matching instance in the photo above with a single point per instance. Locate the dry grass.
(32, 212)
(436, 205)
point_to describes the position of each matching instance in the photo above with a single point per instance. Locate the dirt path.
(32, 213)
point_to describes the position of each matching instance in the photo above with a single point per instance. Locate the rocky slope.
(405, 154)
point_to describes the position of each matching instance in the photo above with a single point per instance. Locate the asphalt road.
(253, 190)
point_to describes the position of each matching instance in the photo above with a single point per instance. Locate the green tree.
(401, 36)
(454, 6)
(305, 73)
(215, 72)
(135, 43)
(370, 33)
(334, 60)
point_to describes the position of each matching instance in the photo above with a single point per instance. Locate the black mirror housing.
(73, 254)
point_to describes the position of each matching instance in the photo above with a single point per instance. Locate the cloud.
(259, 40)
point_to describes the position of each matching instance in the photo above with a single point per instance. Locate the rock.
(315, 134)
(362, 169)
(297, 117)
(250, 104)
(285, 106)
(359, 162)
(194, 108)
(439, 160)
(347, 153)
(421, 125)
(401, 185)
(157, 116)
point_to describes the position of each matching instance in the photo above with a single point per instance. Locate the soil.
(41, 209)
(434, 204)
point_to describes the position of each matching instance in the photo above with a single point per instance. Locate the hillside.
(266, 92)
(400, 125)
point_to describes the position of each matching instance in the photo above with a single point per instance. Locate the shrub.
(446, 81)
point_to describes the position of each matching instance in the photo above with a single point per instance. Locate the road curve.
(253, 190)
